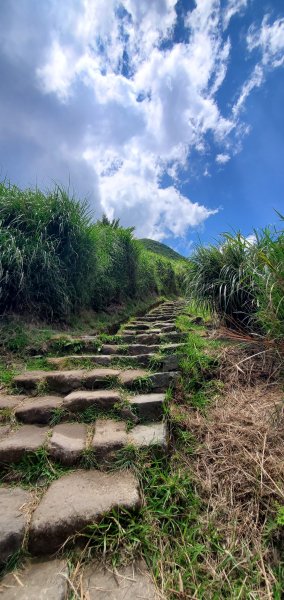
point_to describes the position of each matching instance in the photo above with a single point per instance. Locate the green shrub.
(47, 254)
(241, 282)
(55, 261)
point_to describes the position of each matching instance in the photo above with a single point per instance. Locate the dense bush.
(47, 253)
(242, 282)
(54, 260)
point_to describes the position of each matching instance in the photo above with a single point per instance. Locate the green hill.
(162, 249)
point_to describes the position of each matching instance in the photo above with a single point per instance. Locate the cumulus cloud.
(102, 93)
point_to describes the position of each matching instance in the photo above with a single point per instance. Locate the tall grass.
(242, 282)
(54, 260)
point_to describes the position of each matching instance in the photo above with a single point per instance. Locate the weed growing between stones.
(35, 468)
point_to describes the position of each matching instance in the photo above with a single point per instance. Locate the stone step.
(106, 360)
(131, 349)
(154, 326)
(148, 406)
(124, 583)
(38, 410)
(66, 381)
(151, 338)
(42, 410)
(37, 580)
(48, 580)
(79, 400)
(16, 443)
(77, 500)
(13, 520)
(67, 442)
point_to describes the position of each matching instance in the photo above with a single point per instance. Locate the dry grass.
(239, 470)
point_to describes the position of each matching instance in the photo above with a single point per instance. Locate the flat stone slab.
(67, 442)
(37, 581)
(83, 399)
(10, 402)
(148, 406)
(161, 381)
(4, 430)
(143, 436)
(109, 436)
(170, 362)
(77, 500)
(65, 381)
(126, 583)
(137, 349)
(38, 410)
(130, 377)
(110, 349)
(27, 438)
(12, 520)
(30, 379)
(137, 325)
(96, 377)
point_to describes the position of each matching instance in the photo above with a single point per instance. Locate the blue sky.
(167, 114)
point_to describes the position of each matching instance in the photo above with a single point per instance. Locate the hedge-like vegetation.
(54, 260)
(242, 282)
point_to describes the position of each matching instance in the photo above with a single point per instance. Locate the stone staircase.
(116, 403)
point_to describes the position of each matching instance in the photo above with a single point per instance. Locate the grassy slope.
(161, 249)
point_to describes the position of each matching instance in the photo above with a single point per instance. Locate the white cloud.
(233, 7)
(251, 239)
(255, 80)
(270, 40)
(139, 102)
(222, 159)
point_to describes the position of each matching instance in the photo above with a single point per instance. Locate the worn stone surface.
(4, 430)
(137, 349)
(12, 520)
(130, 377)
(65, 381)
(84, 398)
(77, 500)
(38, 410)
(67, 442)
(61, 361)
(144, 436)
(170, 362)
(175, 336)
(172, 347)
(30, 379)
(148, 406)
(109, 436)
(142, 360)
(127, 583)
(137, 326)
(10, 402)
(37, 581)
(161, 381)
(110, 349)
(148, 338)
(27, 438)
(97, 377)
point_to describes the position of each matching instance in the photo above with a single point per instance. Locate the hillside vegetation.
(161, 249)
(55, 260)
(242, 282)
